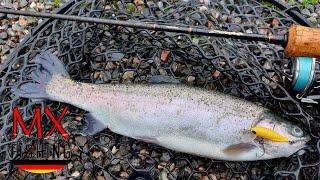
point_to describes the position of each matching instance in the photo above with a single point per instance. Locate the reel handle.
(303, 41)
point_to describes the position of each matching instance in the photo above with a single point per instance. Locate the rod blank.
(280, 40)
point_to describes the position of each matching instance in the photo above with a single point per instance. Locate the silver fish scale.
(182, 118)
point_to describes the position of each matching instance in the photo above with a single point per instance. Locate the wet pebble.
(115, 168)
(88, 166)
(128, 75)
(75, 174)
(3, 35)
(306, 12)
(23, 3)
(191, 79)
(81, 140)
(165, 156)
(165, 56)
(2, 15)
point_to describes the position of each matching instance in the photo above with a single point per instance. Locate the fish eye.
(254, 132)
(296, 131)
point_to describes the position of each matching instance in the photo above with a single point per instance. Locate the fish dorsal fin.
(239, 148)
(94, 125)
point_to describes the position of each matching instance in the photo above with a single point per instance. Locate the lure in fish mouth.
(190, 120)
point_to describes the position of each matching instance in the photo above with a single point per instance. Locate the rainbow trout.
(185, 119)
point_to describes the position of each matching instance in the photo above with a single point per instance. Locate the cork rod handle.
(303, 41)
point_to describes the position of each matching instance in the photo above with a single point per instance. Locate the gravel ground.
(13, 28)
(12, 31)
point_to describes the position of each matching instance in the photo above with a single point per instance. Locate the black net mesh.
(107, 54)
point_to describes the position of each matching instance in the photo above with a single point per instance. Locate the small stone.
(306, 12)
(144, 152)
(201, 169)
(48, 7)
(215, 13)
(78, 118)
(4, 49)
(314, 15)
(115, 168)
(33, 5)
(310, 7)
(97, 154)
(191, 79)
(313, 20)
(40, 6)
(23, 21)
(136, 162)
(32, 20)
(75, 174)
(88, 166)
(163, 71)
(111, 66)
(136, 60)
(114, 150)
(23, 3)
(81, 140)
(224, 18)
(86, 175)
(165, 56)
(259, 22)
(267, 65)
(203, 8)
(212, 177)
(98, 74)
(172, 167)
(164, 175)
(216, 74)
(160, 5)
(275, 22)
(128, 75)
(165, 156)
(2, 15)
(124, 175)
(249, 31)
(12, 16)
(17, 27)
(263, 31)
(3, 35)
(237, 20)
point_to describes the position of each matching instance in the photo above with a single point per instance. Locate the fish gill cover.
(107, 54)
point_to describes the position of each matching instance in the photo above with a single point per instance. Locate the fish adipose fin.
(49, 65)
(94, 125)
(235, 149)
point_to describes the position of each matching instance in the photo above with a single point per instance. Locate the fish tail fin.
(49, 65)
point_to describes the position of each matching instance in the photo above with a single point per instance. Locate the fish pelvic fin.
(48, 65)
(94, 125)
(239, 148)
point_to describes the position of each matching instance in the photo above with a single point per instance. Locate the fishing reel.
(304, 78)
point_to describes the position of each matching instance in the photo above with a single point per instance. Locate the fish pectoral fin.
(239, 148)
(152, 140)
(94, 125)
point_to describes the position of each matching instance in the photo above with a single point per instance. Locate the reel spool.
(305, 75)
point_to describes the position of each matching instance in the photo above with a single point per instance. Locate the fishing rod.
(300, 40)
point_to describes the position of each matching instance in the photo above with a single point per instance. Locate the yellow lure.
(269, 134)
